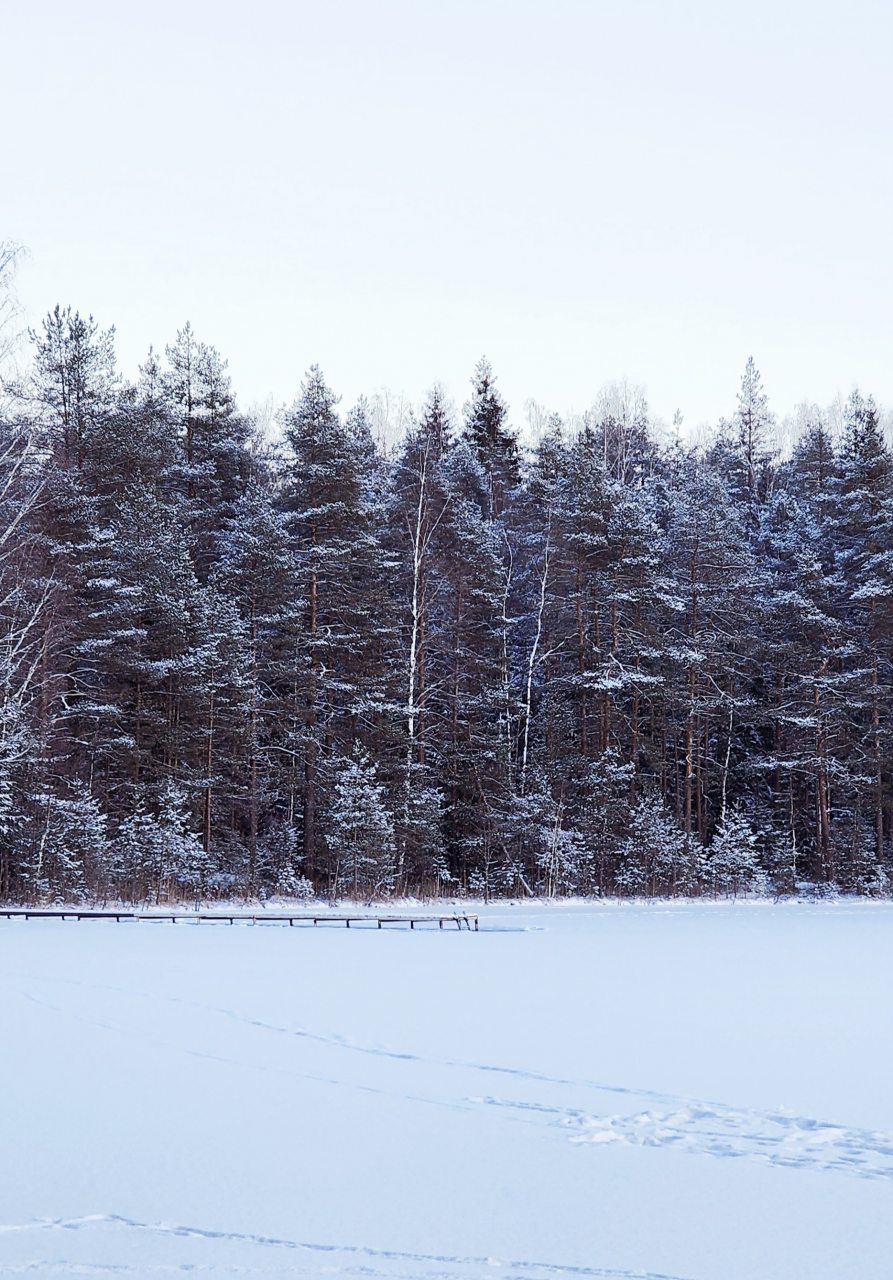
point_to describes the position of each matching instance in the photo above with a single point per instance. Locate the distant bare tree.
(10, 308)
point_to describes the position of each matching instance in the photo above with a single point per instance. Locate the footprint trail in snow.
(789, 1141)
(244, 1256)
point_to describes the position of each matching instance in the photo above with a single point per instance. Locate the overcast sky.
(584, 191)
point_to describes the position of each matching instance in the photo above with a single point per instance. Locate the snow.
(673, 1091)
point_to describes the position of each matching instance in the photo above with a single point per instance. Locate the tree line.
(604, 662)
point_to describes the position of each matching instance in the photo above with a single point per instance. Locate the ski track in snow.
(321, 1259)
(683, 1124)
(335, 1041)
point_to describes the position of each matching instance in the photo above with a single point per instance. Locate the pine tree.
(62, 849)
(746, 447)
(733, 864)
(711, 584)
(864, 540)
(319, 498)
(361, 831)
(655, 857)
(470, 670)
(158, 854)
(257, 571)
(215, 463)
(805, 683)
(494, 443)
(335, 508)
(73, 381)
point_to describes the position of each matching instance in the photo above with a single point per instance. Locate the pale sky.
(582, 191)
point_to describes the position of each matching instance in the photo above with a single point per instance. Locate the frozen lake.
(675, 1092)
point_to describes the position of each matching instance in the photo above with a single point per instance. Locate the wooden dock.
(460, 920)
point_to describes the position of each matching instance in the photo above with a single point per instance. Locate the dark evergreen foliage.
(597, 664)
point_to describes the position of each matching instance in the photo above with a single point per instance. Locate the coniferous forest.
(241, 661)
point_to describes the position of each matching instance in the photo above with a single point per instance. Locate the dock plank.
(462, 920)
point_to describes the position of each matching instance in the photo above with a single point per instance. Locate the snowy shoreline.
(433, 906)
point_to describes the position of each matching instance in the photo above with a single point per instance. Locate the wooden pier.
(461, 920)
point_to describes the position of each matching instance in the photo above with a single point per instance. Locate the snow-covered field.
(675, 1092)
